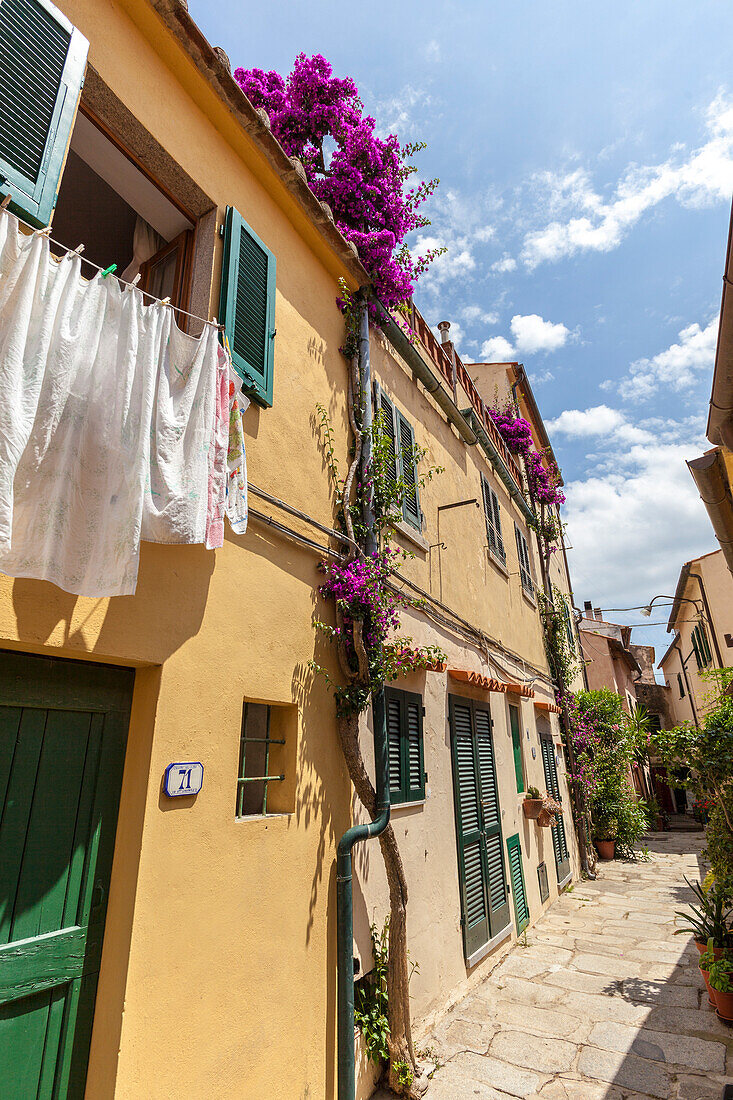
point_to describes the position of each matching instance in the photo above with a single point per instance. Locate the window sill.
(497, 562)
(395, 807)
(489, 947)
(262, 817)
(531, 599)
(411, 534)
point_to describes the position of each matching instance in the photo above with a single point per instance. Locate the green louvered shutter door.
(559, 842)
(413, 748)
(393, 709)
(42, 63)
(516, 873)
(470, 839)
(411, 500)
(499, 915)
(248, 306)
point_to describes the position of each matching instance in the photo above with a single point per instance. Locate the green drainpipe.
(344, 892)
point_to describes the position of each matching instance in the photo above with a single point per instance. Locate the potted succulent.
(708, 918)
(707, 960)
(551, 810)
(720, 984)
(532, 804)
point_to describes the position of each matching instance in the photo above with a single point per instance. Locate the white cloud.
(497, 350)
(539, 379)
(585, 221)
(475, 315)
(583, 423)
(505, 264)
(677, 366)
(402, 113)
(636, 517)
(532, 334)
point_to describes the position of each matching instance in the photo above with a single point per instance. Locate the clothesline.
(71, 252)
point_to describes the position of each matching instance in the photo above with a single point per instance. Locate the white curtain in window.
(145, 243)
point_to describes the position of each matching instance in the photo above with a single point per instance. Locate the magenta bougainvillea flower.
(320, 119)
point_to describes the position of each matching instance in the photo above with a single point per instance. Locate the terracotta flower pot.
(700, 945)
(711, 991)
(532, 807)
(545, 820)
(723, 1004)
(606, 849)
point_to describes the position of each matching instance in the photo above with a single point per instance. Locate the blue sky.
(586, 166)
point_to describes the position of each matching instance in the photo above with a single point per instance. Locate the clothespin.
(6, 201)
(78, 250)
(137, 279)
(112, 268)
(165, 301)
(45, 232)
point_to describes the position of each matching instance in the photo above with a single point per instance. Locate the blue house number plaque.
(183, 778)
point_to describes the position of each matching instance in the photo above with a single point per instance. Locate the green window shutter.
(414, 747)
(517, 746)
(516, 871)
(411, 501)
(704, 645)
(696, 648)
(388, 423)
(525, 567)
(405, 746)
(559, 842)
(247, 304)
(393, 709)
(42, 63)
(493, 521)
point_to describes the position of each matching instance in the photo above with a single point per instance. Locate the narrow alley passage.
(604, 1002)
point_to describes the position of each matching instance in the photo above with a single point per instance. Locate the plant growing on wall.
(320, 119)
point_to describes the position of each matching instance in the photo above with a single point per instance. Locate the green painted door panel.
(559, 842)
(63, 729)
(514, 722)
(499, 914)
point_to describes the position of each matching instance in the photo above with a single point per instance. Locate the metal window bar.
(264, 779)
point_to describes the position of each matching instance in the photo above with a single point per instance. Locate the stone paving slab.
(603, 1003)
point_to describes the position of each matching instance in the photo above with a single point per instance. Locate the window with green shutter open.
(404, 714)
(248, 306)
(493, 521)
(516, 729)
(701, 646)
(525, 567)
(402, 439)
(42, 64)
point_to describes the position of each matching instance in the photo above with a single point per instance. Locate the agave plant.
(709, 918)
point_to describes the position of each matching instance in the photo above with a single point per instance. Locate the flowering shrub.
(604, 748)
(320, 119)
(543, 484)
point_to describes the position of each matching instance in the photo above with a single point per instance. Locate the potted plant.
(605, 833)
(709, 918)
(532, 804)
(551, 810)
(707, 959)
(720, 980)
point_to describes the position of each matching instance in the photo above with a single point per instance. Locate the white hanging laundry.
(237, 500)
(89, 377)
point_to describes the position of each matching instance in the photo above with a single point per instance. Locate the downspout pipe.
(357, 833)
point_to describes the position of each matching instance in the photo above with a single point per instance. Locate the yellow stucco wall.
(218, 972)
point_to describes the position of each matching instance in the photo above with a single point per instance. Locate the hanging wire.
(68, 252)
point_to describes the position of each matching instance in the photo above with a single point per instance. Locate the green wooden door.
(481, 874)
(516, 873)
(63, 729)
(559, 842)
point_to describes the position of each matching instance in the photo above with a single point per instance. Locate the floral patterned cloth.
(236, 504)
